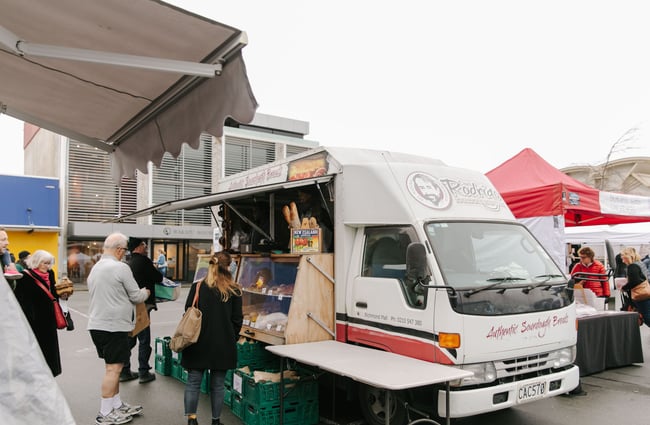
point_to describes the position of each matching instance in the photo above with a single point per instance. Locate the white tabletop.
(378, 368)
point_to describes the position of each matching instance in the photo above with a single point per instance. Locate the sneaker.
(147, 377)
(12, 274)
(112, 418)
(127, 375)
(128, 410)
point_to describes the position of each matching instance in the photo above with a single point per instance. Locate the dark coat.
(146, 274)
(220, 326)
(39, 311)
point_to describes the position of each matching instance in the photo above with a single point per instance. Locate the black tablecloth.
(607, 341)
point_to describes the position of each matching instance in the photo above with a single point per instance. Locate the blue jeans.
(643, 307)
(193, 389)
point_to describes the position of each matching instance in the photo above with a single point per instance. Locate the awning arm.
(24, 48)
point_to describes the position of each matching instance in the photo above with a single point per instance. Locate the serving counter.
(607, 340)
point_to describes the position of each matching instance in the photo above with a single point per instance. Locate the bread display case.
(287, 298)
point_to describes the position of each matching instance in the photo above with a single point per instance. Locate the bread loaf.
(295, 218)
(287, 214)
(305, 223)
(313, 223)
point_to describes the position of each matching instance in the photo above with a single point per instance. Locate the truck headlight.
(564, 357)
(483, 373)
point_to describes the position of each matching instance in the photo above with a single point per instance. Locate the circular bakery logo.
(428, 190)
(167, 231)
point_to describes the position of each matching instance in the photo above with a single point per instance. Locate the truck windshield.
(497, 268)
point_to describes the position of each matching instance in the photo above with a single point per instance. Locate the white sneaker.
(115, 417)
(128, 410)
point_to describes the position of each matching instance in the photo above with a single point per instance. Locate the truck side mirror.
(416, 263)
(570, 284)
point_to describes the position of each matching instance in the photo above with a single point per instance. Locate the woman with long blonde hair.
(636, 274)
(216, 349)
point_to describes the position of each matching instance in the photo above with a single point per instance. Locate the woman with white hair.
(38, 306)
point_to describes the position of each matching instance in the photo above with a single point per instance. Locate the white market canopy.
(133, 78)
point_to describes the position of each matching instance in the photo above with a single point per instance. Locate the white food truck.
(409, 256)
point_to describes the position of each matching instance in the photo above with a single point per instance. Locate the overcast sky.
(469, 82)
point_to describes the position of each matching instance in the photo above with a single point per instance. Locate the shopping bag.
(141, 319)
(189, 328)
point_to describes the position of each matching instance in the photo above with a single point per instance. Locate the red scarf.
(45, 276)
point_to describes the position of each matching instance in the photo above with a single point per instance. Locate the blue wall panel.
(29, 201)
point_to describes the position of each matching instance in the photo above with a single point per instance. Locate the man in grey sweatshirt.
(113, 293)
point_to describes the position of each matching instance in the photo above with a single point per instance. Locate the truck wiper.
(546, 277)
(497, 281)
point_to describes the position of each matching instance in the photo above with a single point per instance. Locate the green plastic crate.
(237, 405)
(178, 371)
(163, 356)
(254, 355)
(267, 394)
(167, 292)
(228, 379)
(294, 413)
(227, 397)
(205, 383)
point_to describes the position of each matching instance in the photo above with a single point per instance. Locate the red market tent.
(534, 188)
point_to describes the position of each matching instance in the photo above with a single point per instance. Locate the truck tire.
(373, 406)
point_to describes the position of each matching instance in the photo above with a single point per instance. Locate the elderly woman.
(38, 306)
(636, 273)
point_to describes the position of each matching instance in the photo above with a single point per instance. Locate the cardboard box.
(305, 241)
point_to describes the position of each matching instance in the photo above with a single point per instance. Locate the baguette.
(295, 218)
(287, 214)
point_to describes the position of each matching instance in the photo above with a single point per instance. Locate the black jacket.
(39, 311)
(220, 325)
(146, 274)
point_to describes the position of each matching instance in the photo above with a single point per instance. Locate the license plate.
(531, 391)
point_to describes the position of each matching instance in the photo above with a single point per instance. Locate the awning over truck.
(216, 198)
(133, 78)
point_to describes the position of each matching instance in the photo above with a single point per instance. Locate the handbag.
(641, 292)
(59, 317)
(68, 322)
(141, 319)
(189, 328)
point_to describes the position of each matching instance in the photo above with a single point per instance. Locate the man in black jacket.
(147, 275)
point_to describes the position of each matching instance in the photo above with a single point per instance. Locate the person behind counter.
(636, 273)
(588, 264)
(220, 302)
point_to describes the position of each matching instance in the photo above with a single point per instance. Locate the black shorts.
(113, 347)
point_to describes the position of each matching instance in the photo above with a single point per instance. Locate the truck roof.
(375, 186)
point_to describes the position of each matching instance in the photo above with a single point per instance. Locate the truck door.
(385, 311)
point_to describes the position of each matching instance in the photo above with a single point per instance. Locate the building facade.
(90, 199)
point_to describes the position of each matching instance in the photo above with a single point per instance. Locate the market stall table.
(607, 340)
(368, 366)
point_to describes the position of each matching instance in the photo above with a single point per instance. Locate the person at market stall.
(220, 302)
(636, 273)
(113, 292)
(38, 306)
(588, 264)
(147, 276)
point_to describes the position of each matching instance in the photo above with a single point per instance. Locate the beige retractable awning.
(134, 78)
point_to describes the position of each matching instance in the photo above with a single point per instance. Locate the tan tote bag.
(189, 328)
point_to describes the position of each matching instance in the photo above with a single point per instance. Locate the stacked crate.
(178, 371)
(258, 403)
(163, 356)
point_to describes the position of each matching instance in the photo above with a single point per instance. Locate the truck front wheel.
(374, 409)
